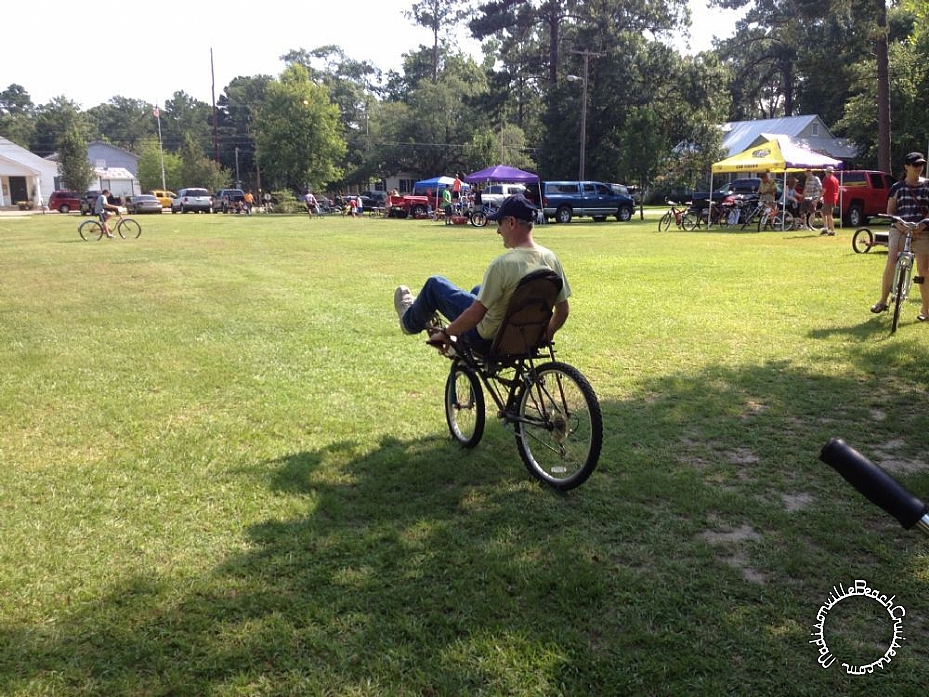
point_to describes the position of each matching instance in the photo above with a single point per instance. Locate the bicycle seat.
(522, 331)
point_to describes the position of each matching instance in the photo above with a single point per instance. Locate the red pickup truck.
(863, 193)
(407, 206)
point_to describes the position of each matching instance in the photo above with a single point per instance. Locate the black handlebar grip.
(876, 485)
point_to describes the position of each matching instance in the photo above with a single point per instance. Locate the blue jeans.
(441, 295)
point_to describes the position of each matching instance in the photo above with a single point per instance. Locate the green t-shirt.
(446, 197)
(502, 277)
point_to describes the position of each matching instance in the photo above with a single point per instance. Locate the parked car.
(563, 200)
(226, 200)
(193, 199)
(746, 188)
(143, 203)
(64, 201)
(373, 199)
(164, 196)
(632, 192)
(89, 198)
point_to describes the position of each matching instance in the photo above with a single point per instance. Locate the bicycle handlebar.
(875, 484)
(897, 219)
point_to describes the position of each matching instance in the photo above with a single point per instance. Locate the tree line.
(652, 113)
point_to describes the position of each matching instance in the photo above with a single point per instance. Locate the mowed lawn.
(226, 472)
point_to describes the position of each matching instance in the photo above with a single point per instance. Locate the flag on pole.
(155, 112)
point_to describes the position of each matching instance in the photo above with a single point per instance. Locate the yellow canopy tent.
(776, 154)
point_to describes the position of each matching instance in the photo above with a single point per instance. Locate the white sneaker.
(403, 301)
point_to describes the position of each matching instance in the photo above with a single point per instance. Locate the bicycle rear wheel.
(464, 405)
(665, 223)
(128, 228)
(90, 230)
(559, 431)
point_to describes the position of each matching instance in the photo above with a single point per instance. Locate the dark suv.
(746, 188)
(225, 200)
(89, 198)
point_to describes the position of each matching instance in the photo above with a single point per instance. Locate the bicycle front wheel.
(900, 289)
(478, 218)
(464, 405)
(559, 431)
(784, 221)
(127, 227)
(90, 230)
(691, 221)
(665, 223)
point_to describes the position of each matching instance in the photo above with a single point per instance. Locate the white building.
(24, 176)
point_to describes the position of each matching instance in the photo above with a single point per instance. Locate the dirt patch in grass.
(730, 549)
(797, 502)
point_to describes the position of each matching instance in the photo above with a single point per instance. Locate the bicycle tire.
(764, 222)
(750, 218)
(559, 428)
(127, 227)
(665, 223)
(862, 240)
(691, 222)
(90, 230)
(784, 221)
(816, 219)
(464, 405)
(478, 218)
(900, 287)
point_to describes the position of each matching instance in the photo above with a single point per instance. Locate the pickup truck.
(564, 200)
(226, 200)
(407, 205)
(863, 193)
(493, 194)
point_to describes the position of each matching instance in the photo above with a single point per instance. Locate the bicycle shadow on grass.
(409, 566)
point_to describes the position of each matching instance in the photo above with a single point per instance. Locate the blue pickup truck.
(564, 200)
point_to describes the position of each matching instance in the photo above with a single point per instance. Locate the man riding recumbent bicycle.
(499, 339)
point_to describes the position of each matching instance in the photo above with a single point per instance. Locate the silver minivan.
(197, 200)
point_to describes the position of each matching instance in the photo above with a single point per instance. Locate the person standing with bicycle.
(102, 206)
(812, 190)
(908, 199)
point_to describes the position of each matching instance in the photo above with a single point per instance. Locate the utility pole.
(157, 113)
(583, 155)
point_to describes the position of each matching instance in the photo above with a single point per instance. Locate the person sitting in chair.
(476, 316)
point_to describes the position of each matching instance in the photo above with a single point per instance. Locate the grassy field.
(226, 472)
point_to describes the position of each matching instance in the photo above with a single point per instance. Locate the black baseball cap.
(914, 158)
(517, 206)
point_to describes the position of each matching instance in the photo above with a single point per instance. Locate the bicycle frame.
(903, 270)
(491, 375)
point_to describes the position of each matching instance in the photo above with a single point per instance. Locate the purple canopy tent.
(509, 175)
(504, 174)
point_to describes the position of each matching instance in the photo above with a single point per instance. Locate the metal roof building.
(807, 131)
